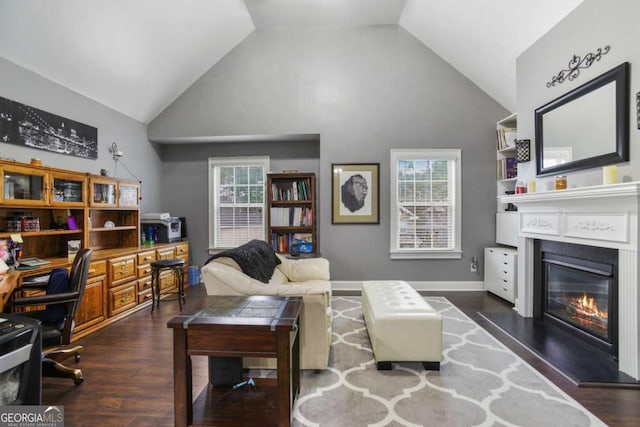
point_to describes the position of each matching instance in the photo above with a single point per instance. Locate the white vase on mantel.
(3, 267)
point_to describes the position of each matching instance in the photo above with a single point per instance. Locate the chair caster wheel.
(78, 381)
(77, 357)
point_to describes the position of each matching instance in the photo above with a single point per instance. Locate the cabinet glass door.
(23, 187)
(103, 194)
(68, 190)
(128, 195)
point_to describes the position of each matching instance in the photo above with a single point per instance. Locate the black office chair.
(58, 318)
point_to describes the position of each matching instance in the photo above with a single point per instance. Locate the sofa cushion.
(301, 270)
(228, 261)
(256, 258)
(278, 278)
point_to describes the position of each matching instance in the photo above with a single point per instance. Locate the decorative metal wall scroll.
(576, 64)
(21, 124)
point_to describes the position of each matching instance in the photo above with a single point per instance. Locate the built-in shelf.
(118, 228)
(41, 233)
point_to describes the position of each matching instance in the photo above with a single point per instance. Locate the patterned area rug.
(480, 382)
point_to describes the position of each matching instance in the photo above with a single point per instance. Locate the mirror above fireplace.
(586, 127)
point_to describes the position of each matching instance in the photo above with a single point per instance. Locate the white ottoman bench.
(402, 326)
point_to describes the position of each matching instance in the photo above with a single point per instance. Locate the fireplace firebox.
(575, 288)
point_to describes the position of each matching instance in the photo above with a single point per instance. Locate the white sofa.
(306, 277)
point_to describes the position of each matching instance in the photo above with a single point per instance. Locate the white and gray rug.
(480, 382)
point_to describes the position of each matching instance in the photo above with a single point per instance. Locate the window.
(236, 200)
(425, 204)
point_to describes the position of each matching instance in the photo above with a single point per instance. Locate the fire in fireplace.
(575, 289)
(584, 310)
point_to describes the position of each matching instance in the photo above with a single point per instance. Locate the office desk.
(8, 282)
(11, 280)
(238, 326)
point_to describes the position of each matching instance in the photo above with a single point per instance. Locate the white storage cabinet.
(500, 272)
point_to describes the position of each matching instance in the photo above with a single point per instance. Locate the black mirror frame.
(620, 75)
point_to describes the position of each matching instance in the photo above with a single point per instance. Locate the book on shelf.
(302, 242)
(506, 138)
(294, 216)
(298, 238)
(507, 168)
(512, 167)
(292, 190)
(292, 242)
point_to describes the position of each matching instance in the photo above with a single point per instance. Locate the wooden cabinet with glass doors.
(27, 185)
(48, 207)
(113, 213)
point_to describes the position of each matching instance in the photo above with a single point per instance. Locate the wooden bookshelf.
(291, 213)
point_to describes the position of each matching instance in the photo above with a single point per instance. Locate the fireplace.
(601, 216)
(575, 288)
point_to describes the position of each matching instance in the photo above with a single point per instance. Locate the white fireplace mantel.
(604, 216)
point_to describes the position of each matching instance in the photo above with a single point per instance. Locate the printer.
(161, 227)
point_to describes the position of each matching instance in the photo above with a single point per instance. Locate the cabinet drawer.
(166, 281)
(122, 270)
(165, 253)
(122, 298)
(146, 257)
(144, 296)
(506, 271)
(505, 289)
(144, 284)
(182, 249)
(144, 270)
(97, 268)
(506, 258)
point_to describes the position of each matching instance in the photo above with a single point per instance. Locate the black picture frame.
(27, 126)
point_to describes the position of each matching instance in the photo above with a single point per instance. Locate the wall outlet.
(474, 264)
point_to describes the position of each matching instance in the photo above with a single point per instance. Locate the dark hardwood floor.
(128, 371)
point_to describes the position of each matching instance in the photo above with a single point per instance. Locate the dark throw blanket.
(256, 259)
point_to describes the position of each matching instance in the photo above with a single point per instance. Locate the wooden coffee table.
(237, 326)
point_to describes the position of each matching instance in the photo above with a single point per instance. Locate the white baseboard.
(356, 286)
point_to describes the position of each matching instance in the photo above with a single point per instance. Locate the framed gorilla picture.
(355, 193)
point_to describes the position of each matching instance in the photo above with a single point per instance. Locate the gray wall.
(592, 25)
(185, 178)
(365, 91)
(24, 86)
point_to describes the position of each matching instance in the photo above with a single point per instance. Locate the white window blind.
(237, 200)
(425, 204)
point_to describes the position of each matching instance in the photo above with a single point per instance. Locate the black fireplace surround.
(575, 289)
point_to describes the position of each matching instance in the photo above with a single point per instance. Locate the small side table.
(238, 326)
(177, 267)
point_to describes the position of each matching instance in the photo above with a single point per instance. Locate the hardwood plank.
(128, 370)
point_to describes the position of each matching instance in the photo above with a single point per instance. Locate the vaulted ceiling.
(137, 56)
